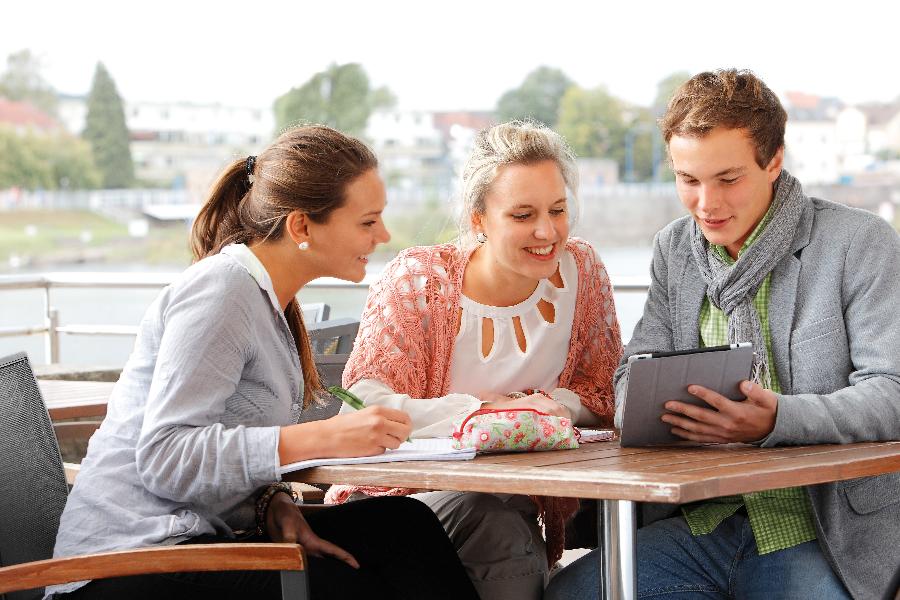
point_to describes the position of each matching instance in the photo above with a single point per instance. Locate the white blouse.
(507, 366)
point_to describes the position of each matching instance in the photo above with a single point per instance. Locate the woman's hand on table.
(539, 402)
(285, 523)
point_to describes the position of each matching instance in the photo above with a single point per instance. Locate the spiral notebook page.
(418, 449)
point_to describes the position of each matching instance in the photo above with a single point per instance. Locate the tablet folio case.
(654, 381)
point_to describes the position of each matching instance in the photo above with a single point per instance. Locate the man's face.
(721, 185)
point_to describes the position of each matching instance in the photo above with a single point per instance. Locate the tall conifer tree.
(105, 130)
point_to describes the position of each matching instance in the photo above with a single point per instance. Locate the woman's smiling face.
(525, 219)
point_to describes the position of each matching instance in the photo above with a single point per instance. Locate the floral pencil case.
(516, 429)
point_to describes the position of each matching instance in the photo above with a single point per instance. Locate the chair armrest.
(167, 559)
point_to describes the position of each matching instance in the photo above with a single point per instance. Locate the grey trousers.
(498, 540)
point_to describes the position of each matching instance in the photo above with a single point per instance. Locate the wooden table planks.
(74, 399)
(606, 470)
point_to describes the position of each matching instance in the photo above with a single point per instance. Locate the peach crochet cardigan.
(406, 338)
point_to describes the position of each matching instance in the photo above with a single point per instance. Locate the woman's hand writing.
(363, 432)
(368, 431)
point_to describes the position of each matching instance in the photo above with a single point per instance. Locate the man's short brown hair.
(730, 98)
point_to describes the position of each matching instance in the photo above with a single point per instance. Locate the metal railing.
(51, 328)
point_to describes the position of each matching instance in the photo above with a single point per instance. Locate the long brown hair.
(307, 169)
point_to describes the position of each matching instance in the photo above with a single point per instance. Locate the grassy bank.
(55, 239)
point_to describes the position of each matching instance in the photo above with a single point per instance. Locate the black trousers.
(400, 545)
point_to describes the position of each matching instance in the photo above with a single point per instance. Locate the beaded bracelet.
(262, 503)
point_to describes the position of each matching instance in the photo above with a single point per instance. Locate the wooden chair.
(33, 493)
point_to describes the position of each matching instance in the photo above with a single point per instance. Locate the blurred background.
(115, 119)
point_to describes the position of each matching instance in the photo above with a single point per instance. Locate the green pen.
(348, 398)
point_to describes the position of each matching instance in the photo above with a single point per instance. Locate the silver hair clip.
(251, 162)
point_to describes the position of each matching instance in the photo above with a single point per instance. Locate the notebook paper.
(596, 435)
(418, 449)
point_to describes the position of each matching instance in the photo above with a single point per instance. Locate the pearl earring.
(303, 245)
(480, 237)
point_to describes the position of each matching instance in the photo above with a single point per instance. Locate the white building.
(812, 148)
(883, 127)
(183, 144)
(828, 142)
(411, 154)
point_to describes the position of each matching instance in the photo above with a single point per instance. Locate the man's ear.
(297, 226)
(775, 165)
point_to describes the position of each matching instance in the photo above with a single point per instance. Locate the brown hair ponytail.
(306, 169)
(218, 222)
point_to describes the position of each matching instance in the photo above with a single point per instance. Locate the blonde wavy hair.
(513, 142)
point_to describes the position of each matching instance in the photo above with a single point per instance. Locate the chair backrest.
(335, 336)
(314, 312)
(331, 341)
(32, 480)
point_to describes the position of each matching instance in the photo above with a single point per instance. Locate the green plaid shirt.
(780, 518)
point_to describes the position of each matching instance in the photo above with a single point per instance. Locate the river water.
(126, 306)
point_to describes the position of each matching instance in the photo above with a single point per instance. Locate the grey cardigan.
(193, 422)
(833, 315)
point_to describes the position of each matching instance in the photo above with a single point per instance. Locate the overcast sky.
(461, 54)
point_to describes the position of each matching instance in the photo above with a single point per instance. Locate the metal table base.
(616, 538)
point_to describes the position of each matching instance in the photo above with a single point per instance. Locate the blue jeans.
(673, 563)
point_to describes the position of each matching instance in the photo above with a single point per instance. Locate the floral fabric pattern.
(519, 430)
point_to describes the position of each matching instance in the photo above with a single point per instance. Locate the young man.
(816, 287)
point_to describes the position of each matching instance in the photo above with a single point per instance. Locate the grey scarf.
(731, 288)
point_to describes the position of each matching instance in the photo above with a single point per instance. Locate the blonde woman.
(515, 305)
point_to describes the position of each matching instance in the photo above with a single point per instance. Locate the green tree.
(37, 161)
(71, 162)
(537, 98)
(22, 165)
(106, 132)
(22, 81)
(665, 89)
(641, 135)
(592, 122)
(340, 96)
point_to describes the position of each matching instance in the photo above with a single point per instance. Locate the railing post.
(51, 347)
(51, 321)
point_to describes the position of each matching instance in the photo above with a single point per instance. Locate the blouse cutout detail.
(530, 342)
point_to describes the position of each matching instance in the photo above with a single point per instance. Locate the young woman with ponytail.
(206, 409)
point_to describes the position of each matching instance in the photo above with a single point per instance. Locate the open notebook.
(596, 435)
(418, 449)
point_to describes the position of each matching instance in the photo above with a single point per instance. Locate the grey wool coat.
(834, 315)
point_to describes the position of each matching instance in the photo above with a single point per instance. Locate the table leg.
(616, 534)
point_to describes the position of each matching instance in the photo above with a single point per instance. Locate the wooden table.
(620, 477)
(72, 399)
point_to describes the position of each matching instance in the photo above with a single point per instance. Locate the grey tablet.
(656, 378)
